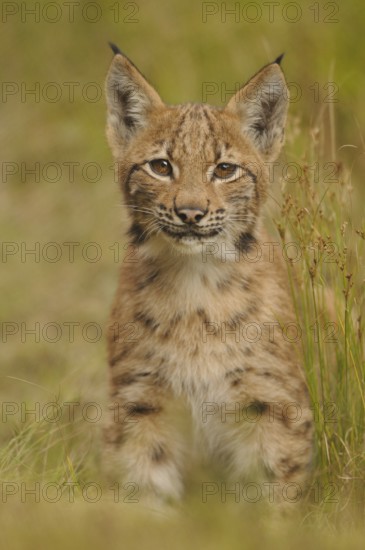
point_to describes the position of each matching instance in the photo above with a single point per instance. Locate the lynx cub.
(200, 313)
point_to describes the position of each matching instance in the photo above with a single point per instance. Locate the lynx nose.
(190, 214)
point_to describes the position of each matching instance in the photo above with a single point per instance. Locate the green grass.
(321, 210)
(327, 287)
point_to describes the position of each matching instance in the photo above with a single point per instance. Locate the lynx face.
(193, 172)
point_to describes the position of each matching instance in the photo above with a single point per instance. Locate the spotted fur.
(182, 307)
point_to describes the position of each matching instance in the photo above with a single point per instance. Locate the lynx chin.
(194, 319)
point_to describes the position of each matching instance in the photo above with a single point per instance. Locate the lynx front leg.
(284, 435)
(141, 446)
(267, 442)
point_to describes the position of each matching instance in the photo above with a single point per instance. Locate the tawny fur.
(196, 316)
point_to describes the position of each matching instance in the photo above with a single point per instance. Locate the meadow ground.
(58, 198)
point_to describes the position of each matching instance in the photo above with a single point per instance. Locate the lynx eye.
(225, 170)
(161, 167)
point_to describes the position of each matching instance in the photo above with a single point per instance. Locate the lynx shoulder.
(203, 312)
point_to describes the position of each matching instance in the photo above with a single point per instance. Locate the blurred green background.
(185, 48)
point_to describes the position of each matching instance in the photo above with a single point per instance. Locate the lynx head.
(194, 173)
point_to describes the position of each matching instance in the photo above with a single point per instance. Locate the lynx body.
(201, 311)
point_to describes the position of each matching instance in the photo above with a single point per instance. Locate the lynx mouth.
(191, 234)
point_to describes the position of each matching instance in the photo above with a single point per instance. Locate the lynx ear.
(130, 100)
(261, 106)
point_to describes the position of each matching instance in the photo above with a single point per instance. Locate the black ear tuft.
(278, 59)
(115, 48)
